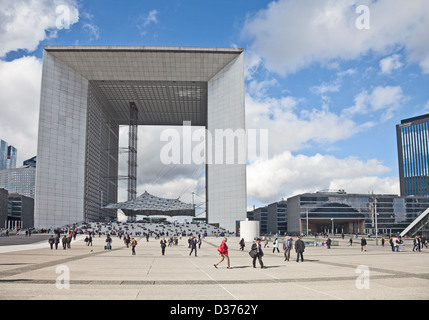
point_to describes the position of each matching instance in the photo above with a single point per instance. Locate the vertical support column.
(132, 152)
(226, 181)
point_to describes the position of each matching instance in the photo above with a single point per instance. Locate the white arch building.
(85, 96)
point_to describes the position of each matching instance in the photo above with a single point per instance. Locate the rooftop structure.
(147, 205)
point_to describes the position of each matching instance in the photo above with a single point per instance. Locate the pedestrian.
(69, 239)
(299, 249)
(57, 241)
(51, 242)
(133, 244)
(242, 244)
(287, 245)
(382, 242)
(351, 241)
(223, 251)
(424, 243)
(193, 244)
(392, 243)
(276, 245)
(395, 242)
(90, 240)
(416, 243)
(363, 244)
(257, 253)
(400, 242)
(328, 243)
(127, 240)
(163, 244)
(108, 243)
(64, 242)
(266, 243)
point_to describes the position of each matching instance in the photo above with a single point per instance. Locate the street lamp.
(332, 219)
(374, 217)
(307, 221)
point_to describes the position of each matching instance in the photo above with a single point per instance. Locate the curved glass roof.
(147, 204)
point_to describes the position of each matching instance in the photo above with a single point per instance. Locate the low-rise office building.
(3, 207)
(19, 180)
(338, 212)
(21, 211)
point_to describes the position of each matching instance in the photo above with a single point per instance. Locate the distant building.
(30, 162)
(21, 210)
(8, 155)
(3, 207)
(327, 212)
(272, 218)
(19, 180)
(413, 155)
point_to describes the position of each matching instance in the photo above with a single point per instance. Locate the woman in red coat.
(223, 251)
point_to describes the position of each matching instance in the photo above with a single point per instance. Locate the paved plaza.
(34, 271)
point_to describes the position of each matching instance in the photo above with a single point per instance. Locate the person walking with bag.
(257, 253)
(223, 251)
(276, 245)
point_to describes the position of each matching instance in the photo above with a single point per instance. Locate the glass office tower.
(413, 153)
(8, 155)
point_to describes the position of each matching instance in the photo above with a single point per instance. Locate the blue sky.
(329, 92)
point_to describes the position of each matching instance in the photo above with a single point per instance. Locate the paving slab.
(35, 272)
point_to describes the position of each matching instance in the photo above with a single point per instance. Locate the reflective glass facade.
(413, 154)
(8, 156)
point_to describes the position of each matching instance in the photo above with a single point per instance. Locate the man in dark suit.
(299, 248)
(258, 253)
(193, 246)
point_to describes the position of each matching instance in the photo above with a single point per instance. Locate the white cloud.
(147, 20)
(25, 23)
(90, 27)
(325, 87)
(252, 61)
(20, 82)
(292, 129)
(388, 64)
(386, 100)
(151, 18)
(292, 35)
(286, 174)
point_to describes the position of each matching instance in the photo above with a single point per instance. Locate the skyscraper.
(413, 154)
(8, 156)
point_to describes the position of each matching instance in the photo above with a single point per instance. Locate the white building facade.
(86, 94)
